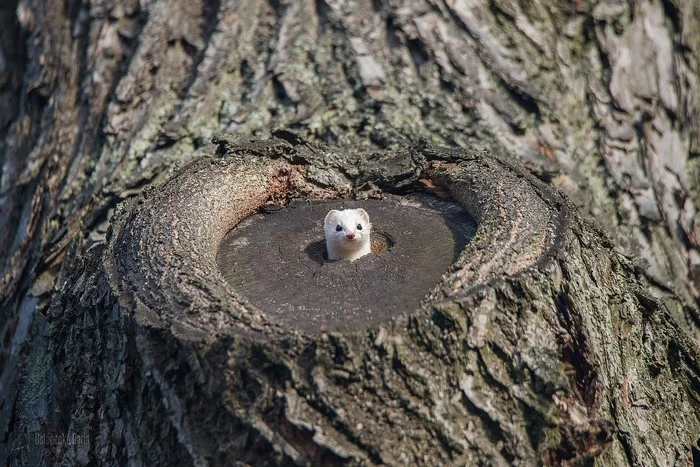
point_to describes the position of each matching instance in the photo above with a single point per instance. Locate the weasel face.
(347, 232)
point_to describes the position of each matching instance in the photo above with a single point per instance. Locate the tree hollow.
(275, 260)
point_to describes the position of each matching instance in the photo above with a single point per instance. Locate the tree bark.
(568, 348)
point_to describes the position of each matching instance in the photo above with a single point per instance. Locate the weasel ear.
(363, 214)
(330, 216)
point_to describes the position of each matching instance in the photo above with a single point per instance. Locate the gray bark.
(568, 349)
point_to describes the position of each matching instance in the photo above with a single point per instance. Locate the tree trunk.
(548, 340)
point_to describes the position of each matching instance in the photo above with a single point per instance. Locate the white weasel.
(347, 234)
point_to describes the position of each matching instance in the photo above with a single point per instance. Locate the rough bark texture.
(565, 349)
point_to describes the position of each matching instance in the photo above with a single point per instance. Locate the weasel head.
(347, 233)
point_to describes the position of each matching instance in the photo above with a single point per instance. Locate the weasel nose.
(350, 236)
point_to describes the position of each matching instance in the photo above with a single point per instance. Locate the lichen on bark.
(100, 101)
(553, 352)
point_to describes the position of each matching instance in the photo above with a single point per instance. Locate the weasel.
(347, 234)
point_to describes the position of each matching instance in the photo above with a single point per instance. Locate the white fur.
(338, 245)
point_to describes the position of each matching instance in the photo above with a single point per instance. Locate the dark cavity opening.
(276, 259)
(380, 243)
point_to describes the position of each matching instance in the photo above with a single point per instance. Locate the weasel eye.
(359, 226)
(338, 228)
